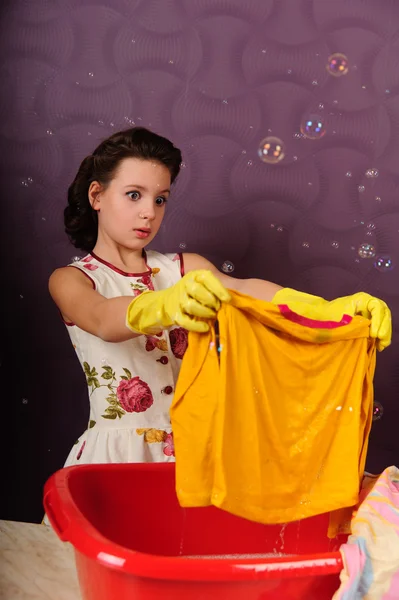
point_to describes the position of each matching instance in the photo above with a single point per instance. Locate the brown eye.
(134, 195)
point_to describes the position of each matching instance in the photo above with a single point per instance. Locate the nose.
(148, 212)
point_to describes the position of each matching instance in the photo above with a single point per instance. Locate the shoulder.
(192, 262)
(65, 277)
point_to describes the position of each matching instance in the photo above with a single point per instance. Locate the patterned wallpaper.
(217, 77)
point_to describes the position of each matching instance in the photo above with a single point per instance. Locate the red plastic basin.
(132, 540)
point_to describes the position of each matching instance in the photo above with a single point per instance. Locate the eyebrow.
(144, 189)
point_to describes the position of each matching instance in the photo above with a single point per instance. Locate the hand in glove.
(188, 303)
(360, 303)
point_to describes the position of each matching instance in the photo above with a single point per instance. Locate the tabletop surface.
(35, 564)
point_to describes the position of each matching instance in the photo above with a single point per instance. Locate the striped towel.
(371, 555)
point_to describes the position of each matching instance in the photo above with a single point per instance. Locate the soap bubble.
(227, 267)
(378, 410)
(372, 173)
(366, 251)
(271, 150)
(337, 64)
(383, 263)
(183, 245)
(361, 188)
(312, 127)
(335, 244)
(76, 259)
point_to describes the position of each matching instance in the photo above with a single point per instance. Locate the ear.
(94, 194)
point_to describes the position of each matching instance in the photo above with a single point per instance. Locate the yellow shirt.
(278, 430)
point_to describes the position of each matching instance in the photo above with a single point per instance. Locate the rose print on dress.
(154, 436)
(131, 394)
(134, 395)
(79, 455)
(153, 342)
(178, 341)
(169, 449)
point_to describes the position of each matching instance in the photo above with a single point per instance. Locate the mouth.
(143, 232)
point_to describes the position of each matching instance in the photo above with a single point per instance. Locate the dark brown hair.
(80, 219)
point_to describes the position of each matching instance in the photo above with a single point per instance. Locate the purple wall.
(216, 76)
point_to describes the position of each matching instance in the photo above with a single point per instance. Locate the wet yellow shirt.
(278, 430)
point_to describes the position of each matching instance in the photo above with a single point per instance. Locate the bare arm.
(257, 288)
(80, 304)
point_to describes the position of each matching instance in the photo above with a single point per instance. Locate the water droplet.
(372, 173)
(271, 150)
(361, 189)
(383, 263)
(349, 174)
(312, 127)
(227, 267)
(183, 245)
(378, 410)
(335, 244)
(337, 64)
(366, 251)
(24, 401)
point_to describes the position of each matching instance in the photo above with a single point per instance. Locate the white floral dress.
(130, 384)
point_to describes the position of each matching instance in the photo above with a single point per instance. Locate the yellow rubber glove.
(360, 303)
(196, 296)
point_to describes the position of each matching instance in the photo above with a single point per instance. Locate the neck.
(126, 259)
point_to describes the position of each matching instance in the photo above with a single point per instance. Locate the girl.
(128, 311)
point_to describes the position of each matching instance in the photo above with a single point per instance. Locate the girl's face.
(131, 208)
